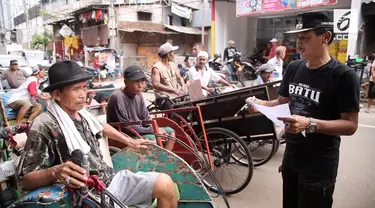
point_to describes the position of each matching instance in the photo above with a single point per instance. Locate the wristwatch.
(312, 126)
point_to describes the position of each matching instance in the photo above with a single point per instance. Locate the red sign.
(314, 3)
(277, 5)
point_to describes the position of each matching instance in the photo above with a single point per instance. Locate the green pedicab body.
(191, 190)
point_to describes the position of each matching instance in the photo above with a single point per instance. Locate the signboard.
(65, 31)
(181, 11)
(248, 7)
(314, 3)
(277, 5)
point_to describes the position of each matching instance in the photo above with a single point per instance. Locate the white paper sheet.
(273, 113)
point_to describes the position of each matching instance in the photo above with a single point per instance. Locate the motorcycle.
(91, 71)
(111, 73)
(238, 70)
(257, 59)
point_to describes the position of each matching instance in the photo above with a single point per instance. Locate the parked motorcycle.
(91, 71)
(110, 73)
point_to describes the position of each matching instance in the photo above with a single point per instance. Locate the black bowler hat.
(134, 73)
(312, 21)
(65, 73)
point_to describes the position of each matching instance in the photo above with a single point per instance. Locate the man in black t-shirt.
(323, 96)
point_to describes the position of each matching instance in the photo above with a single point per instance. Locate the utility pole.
(26, 3)
(203, 7)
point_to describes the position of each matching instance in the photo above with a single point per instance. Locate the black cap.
(14, 61)
(134, 73)
(312, 21)
(65, 73)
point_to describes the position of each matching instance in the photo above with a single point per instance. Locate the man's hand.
(179, 92)
(211, 90)
(70, 172)
(162, 131)
(255, 100)
(139, 143)
(295, 124)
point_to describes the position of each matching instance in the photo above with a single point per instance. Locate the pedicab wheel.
(224, 146)
(263, 150)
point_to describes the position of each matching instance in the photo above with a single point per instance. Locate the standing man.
(371, 88)
(25, 97)
(323, 96)
(274, 44)
(277, 63)
(197, 47)
(166, 77)
(205, 74)
(229, 51)
(14, 75)
(97, 65)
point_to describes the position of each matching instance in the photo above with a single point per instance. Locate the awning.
(185, 30)
(147, 31)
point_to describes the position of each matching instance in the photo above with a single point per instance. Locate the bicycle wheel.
(224, 146)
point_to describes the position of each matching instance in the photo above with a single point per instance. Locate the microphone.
(80, 159)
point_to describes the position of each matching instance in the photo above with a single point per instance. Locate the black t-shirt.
(321, 93)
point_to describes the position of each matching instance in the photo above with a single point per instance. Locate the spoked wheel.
(263, 150)
(227, 149)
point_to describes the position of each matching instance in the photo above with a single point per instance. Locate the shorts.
(371, 93)
(133, 189)
(18, 104)
(169, 131)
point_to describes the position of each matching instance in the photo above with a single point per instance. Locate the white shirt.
(207, 76)
(278, 66)
(21, 93)
(373, 66)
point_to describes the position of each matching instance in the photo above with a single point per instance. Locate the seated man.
(128, 105)
(67, 126)
(264, 75)
(14, 75)
(205, 74)
(166, 78)
(25, 97)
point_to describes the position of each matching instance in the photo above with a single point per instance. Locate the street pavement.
(355, 187)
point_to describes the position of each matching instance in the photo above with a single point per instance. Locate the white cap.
(203, 54)
(166, 48)
(274, 40)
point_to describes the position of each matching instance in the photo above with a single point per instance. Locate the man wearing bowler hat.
(323, 96)
(67, 126)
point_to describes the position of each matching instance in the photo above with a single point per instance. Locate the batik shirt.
(46, 147)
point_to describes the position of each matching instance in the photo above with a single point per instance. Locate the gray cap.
(166, 48)
(265, 68)
(35, 69)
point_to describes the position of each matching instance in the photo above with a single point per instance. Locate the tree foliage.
(41, 39)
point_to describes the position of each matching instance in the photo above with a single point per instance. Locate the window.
(144, 16)
(170, 20)
(183, 22)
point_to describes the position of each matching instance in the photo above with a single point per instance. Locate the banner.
(278, 5)
(314, 3)
(182, 11)
(248, 7)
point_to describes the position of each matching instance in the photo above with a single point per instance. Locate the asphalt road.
(355, 187)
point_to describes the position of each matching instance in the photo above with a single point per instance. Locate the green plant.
(46, 14)
(41, 39)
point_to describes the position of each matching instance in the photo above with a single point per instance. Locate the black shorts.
(371, 91)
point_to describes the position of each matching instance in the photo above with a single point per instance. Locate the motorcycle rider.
(229, 51)
(166, 77)
(205, 74)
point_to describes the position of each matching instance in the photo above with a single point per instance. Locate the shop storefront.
(260, 21)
